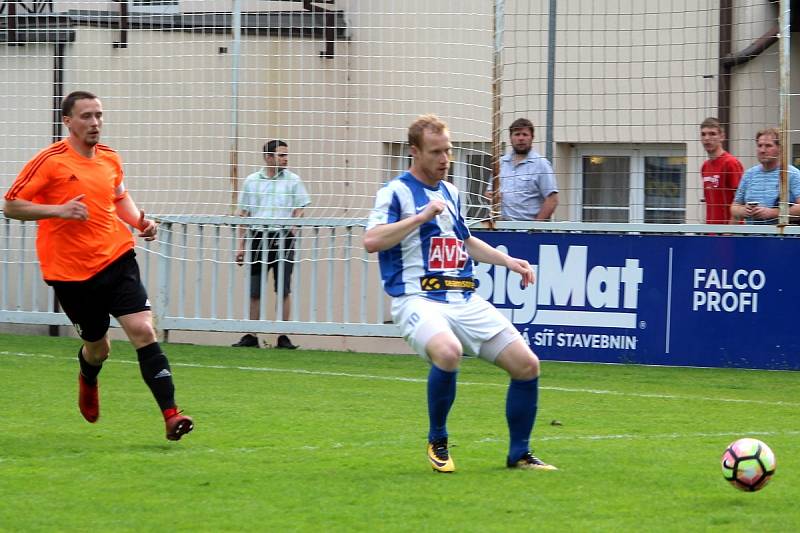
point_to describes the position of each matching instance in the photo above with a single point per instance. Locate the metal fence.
(196, 286)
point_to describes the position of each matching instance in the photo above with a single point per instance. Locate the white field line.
(424, 380)
(326, 447)
(660, 436)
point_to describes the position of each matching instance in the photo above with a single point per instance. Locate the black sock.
(89, 372)
(156, 373)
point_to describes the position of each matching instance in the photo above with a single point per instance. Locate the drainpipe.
(59, 48)
(551, 77)
(728, 60)
(724, 88)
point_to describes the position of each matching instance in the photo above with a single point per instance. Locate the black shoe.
(284, 342)
(247, 341)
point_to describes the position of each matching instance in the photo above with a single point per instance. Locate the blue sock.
(441, 394)
(521, 405)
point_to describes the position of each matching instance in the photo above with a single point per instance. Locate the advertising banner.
(713, 301)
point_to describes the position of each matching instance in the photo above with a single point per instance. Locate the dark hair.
(712, 123)
(271, 146)
(519, 124)
(69, 102)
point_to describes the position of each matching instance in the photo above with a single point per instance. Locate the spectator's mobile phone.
(752, 204)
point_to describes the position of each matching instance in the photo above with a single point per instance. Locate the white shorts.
(473, 322)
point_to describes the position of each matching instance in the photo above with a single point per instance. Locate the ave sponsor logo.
(727, 291)
(446, 253)
(566, 293)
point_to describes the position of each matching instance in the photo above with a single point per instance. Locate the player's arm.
(297, 212)
(242, 237)
(384, 236)
(734, 177)
(794, 192)
(738, 208)
(133, 216)
(302, 199)
(548, 206)
(483, 253)
(20, 209)
(765, 213)
(794, 209)
(548, 188)
(492, 194)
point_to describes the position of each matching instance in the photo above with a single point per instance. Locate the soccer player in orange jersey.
(75, 190)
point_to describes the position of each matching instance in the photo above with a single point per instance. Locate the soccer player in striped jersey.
(75, 191)
(425, 254)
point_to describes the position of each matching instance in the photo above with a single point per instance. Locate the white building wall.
(623, 76)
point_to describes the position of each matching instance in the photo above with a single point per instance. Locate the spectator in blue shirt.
(756, 199)
(528, 188)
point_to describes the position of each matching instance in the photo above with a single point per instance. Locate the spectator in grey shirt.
(528, 188)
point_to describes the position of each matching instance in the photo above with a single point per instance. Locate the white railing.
(195, 284)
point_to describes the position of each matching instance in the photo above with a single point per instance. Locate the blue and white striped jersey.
(435, 249)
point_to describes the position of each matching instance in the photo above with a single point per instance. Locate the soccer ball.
(748, 464)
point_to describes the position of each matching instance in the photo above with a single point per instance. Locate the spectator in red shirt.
(721, 173)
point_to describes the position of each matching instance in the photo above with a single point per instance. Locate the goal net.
(193, 89)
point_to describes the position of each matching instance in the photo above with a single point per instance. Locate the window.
(606, 197)
(665, 189)
(154, 6)
(633, 185)
(470, 171)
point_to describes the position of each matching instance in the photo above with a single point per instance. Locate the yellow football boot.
(530, 462)
(439, 456)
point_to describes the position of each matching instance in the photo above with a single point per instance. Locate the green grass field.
(327, 441)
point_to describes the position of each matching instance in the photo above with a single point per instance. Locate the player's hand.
(147, 227)
(75, 209)
(434, 208)
(760, 212)
(240, 257)
(523, 268)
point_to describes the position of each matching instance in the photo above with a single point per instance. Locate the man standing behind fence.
(75, 190)
(272, 192)
(756, 199)
(426, 252)
(528, 188)
(720, 173)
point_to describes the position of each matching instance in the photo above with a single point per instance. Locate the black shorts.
(116, 290)
(272, 241)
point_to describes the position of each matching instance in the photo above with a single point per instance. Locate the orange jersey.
(75, 250)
